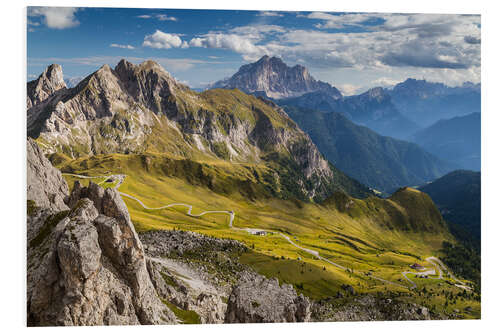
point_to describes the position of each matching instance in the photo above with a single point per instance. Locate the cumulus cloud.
(120, 46)
(55, 17)
(270, 13)
(390, 41)
(163, 40)
(233, 42)
(399, 44)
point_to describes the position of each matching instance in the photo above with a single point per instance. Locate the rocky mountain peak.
(377, 94)
(272, 77)
(50, 81)
(54, 75)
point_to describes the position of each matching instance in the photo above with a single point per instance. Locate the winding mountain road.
(438, 264)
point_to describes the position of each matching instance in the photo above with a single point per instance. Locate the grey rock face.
(87, 266)
(259, 300)
(46, 186)
(50, 81)
(275, 79)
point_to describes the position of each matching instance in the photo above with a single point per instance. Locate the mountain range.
(426, 102)
(138, 108)
(381, 162)
(457, 140)
(273, 79)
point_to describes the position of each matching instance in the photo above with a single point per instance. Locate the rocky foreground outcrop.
(259, 300)
(86, 264)
(45, 184)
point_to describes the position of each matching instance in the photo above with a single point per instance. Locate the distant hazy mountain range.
(373, 109)
(457, 140)
(458, 196)
(379, 161)
(426, 102)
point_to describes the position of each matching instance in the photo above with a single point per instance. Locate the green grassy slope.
(372, 234)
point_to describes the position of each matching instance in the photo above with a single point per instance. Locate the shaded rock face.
(50, 81)
(273, 78)
(46, 186)
(259, 300)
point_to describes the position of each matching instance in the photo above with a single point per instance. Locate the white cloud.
(348, 89)
(233, 42)
(271, 14)
(144, 16)
(120, 46)
(385, 82)
(55, 17)
(163, 17)
(163, 40)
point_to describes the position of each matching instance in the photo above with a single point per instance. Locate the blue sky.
(352, 51)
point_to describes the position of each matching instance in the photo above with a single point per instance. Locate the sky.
(351, 51)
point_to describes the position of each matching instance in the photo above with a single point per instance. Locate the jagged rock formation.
(50, 81)
(45, 184)
(273, 78)
(86, 265)
(259, 300)
(137, 108)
